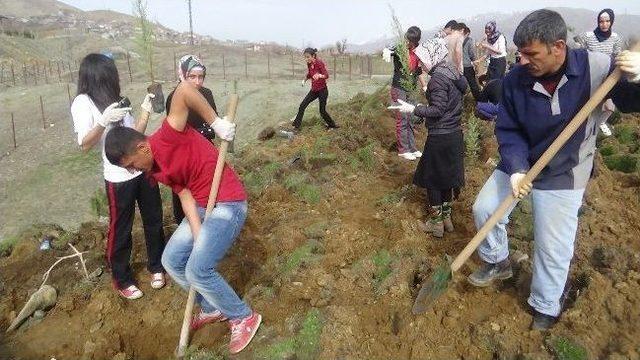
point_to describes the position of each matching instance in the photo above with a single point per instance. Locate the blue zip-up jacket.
(530, 119)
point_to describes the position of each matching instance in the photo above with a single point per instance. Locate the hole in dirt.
(574, 288)
(419, 276)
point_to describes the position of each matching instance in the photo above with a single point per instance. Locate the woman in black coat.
(441, 168)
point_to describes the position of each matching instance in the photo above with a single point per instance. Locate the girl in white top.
(95, 110)
(496, 46)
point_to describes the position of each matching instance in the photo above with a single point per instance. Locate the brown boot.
(446, 214)
(434, 227)
(435, 224)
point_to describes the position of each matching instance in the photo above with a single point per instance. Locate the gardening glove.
(303, 82)
(404, 107)
(629, 62)
(386, 55)
(519, 189)
(146, 103)
(224, 129)
(112, 114)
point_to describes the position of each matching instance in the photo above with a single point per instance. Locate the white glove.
(424, 88)
(112, 114)
(404, 107)
(224, 129)
(605, 129)
(629, 62)
(386, 55)
(519, 189)
(303, 82)
(146, 103)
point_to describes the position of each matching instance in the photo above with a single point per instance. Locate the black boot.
(542, 321)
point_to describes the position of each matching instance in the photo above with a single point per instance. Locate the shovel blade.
(432, 289)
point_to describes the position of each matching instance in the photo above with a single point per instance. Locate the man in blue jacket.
(539, 99)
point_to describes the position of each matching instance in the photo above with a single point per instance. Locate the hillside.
(332, 254)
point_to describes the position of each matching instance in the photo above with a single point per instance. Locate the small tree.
(145, 38)
(341, 46)
(402, 51)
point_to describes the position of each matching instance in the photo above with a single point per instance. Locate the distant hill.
(28, 8)
(578, 21)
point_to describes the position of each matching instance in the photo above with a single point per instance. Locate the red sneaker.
(131, 293)
(242, 331)
(204, 318)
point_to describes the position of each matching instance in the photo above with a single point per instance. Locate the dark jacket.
(530, 119)
(397, 81)
(444, 92)
(194, 119)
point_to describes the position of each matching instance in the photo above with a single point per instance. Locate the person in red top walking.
(178, 156)
(318, 74)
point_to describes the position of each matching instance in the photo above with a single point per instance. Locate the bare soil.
(346, 241)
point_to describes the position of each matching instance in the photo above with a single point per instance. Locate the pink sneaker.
(203, 318)
(130, 293)
(242, 331)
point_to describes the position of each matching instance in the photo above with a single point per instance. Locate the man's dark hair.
(121, 141)
(458, 26)
(466, 30)
(546, 26)
(450, 24)
(413, 35)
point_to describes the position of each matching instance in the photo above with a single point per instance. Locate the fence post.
(129, 67)
(24, 73)
(349, 67)
(44, 125)
(293, 67)
(269, 63)
(335, 68)
(246, 65)
(13, 74)
(13, 130)
(69, 93)
(224, 69)
(35, 72)
(50, 68)
(46, 77)
(370, 66)
(59, 76)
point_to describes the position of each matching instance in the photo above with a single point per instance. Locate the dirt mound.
(332, 255)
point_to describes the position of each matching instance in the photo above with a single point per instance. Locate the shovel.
(439, 282)
(215, 185)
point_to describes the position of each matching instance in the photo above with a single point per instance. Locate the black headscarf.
(602, 35)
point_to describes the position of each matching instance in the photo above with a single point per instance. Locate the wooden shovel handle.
(215, 186)
(542, 162)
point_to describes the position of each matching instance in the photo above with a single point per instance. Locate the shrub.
(623, 163)
(99, 203)
(472, 139)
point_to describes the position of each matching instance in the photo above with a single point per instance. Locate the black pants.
(497, 68)
(178, 214)
(470, 75)
(322, 96)
(438, 197)
(122, 199)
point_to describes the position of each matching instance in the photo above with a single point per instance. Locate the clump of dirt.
(332, 255)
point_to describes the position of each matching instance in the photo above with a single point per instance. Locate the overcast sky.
(321, 22)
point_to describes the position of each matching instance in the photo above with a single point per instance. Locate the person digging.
(539, 99)
(178, 156)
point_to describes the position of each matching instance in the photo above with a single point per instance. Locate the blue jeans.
(555, 223)
(195, 265)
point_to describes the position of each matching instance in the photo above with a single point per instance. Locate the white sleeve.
(82, 116)
(502, 45)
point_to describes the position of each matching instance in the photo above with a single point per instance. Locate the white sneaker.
(408, 156)
(605, 129)
(417, 154)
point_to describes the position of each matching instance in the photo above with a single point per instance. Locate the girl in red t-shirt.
(318, 74)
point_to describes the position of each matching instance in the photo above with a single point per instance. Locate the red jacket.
(317, 67)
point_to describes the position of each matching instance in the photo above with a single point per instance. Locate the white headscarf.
(431, 52)
(189, 63)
